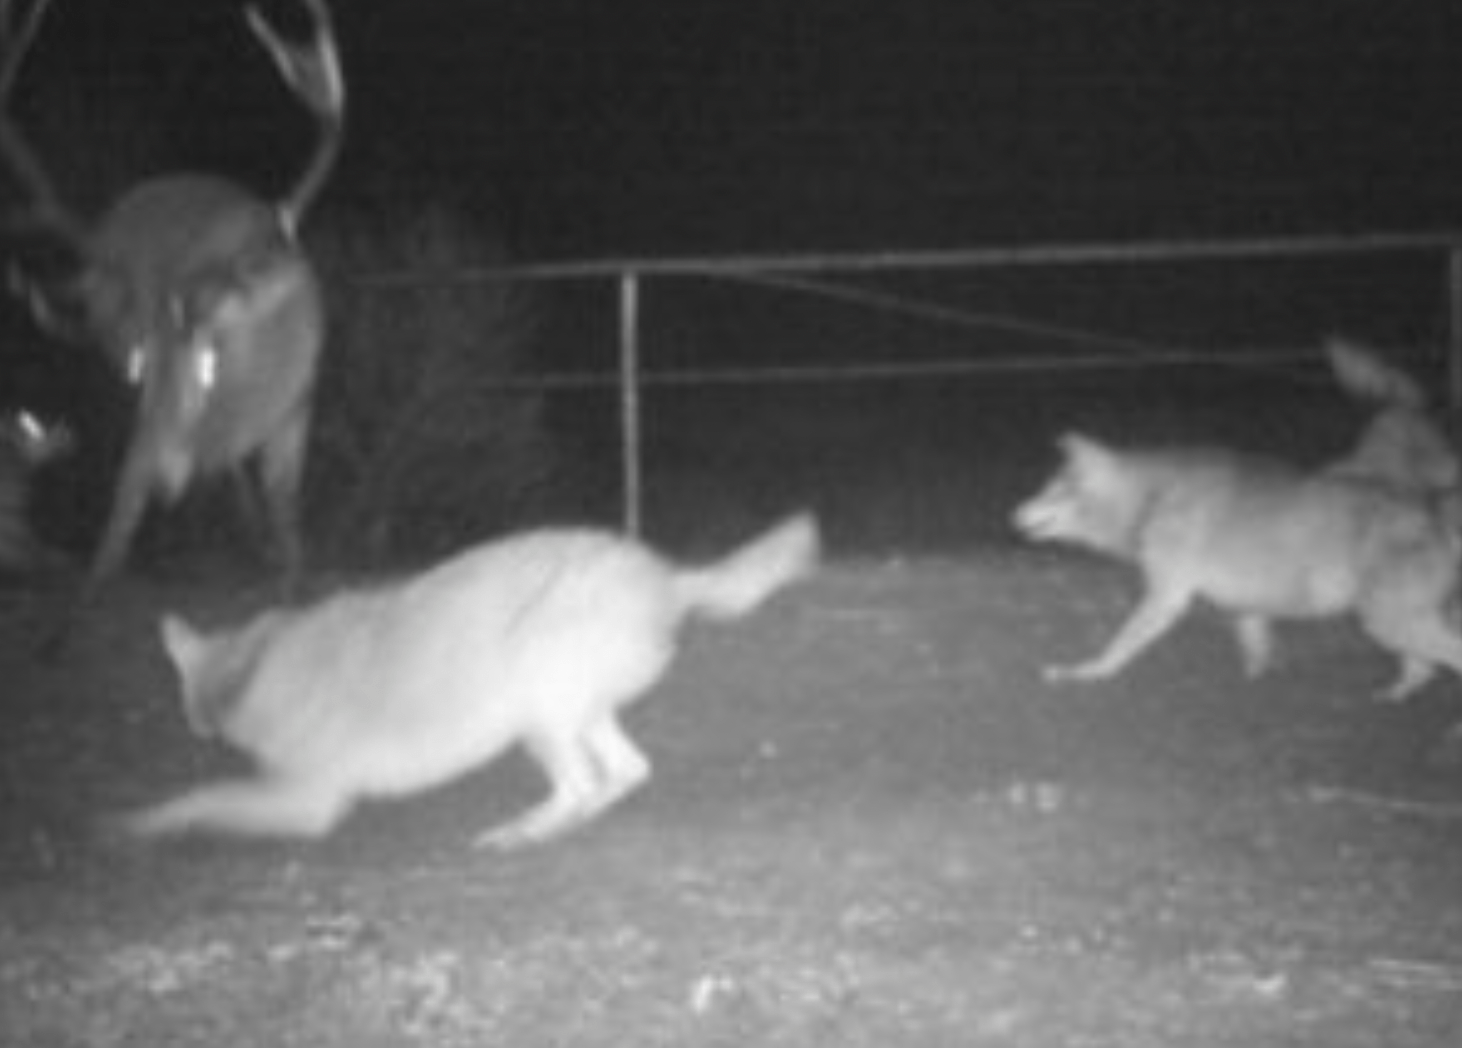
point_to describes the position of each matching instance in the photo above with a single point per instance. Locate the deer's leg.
(134, 492)
(129, 504)
(281, 472)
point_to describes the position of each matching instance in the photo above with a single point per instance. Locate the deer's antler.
(44, 209)
(312, 72)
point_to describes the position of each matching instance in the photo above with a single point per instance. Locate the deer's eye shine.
(31, 427)
(205, 366)
(137, 358)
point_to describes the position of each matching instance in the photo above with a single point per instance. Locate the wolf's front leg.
(249, 807)
(1158, 611)
(1255, 635)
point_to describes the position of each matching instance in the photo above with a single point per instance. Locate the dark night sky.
(600, 126)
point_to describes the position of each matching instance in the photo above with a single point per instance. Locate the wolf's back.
(736, 584)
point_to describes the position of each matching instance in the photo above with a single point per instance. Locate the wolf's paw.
(503, 839)
(136, 826)
(1254, 668)
(1406, 684)
(550, 820)
(1072, 674)
(122, 831)
(144, 826)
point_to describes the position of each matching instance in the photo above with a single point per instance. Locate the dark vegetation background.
(482, 134)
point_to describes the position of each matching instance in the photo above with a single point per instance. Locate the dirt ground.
(871, 824)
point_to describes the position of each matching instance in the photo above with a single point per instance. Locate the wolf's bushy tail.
(1363, 374)
(736, 584)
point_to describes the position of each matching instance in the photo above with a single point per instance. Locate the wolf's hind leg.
(622, 765)
(566, 761)
(1255, 635)
(252, 807)
(1420, 636)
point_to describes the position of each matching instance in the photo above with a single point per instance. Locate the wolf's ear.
(1086, 457)
(184, 645)
(1078, 447)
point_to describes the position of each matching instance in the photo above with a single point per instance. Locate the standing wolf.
(539, 639)
(1261, 541)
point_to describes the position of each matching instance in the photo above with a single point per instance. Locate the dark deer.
(200, 294)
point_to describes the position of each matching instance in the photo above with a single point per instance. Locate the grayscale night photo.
(839, 523)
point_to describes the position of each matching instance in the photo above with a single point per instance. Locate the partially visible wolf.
(1403, 443)
(1259, 540)
(539, 639)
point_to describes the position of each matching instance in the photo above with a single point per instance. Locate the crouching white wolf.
(538, 640)
(1260, 541)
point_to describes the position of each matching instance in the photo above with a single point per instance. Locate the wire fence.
(1084, 347)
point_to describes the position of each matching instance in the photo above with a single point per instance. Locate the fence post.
(1454, 327)
(629, 399)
